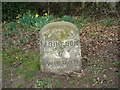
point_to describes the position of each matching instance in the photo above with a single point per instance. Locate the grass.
(55, 83)
(95, 69)
(5, 72)
(30, 65)
(94, 35)
(21, 85)
(28, 62)
(89, 79)
(80, 22)
(117, 64)
(108, 22)
(48, 83)
(118, 73)
(74, 82)
(41, 84)
(8, 57)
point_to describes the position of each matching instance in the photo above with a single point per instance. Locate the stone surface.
(60, 48)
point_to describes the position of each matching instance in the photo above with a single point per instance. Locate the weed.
(116, 64)
(38, 22)
(12, 27)
(85, 59)
(30, 74)
(54, 82)
(30, 37)
(25, 26)
(41, 84)
(90, 79)
(5, 72)
(108, 22)
(48, 83)
(20, 71)
(21, 85)
(6, 34)
(58, 85)
(118, 73)
(67, 18)
(9, 61)
(80, 23)
(22, 40)
(9, 42)
(94, 69)
(74, 82)
(94, 35)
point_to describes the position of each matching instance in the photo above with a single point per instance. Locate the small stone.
(17, 57)
(98, 78)
(104, 76)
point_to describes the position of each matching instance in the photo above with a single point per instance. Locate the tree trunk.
(48, 8)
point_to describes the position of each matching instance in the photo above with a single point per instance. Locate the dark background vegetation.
(11, 10)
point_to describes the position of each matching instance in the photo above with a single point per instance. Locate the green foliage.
(27, 19)
(11, 26)
(95, 69)
(30, 65)
(108, 22)
(54, 82)
(29, 74)
(6, 34)
(48, 83)
(42, 21)
(37, 22)
(8, 56)
(116, 64)
(8, 61)
(74, 82)
(67, 18)
(9, 41)
(94, 35)
(21, 85)
(10, 30)
(80, 22)
(30, 62)
(22, 40)
(28, 70)
(118, 73)
(41, 84)
(30, 37)
(5, 72)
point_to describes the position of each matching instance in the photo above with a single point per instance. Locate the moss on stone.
(61, 35)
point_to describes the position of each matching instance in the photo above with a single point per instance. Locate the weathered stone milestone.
(60, 48)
